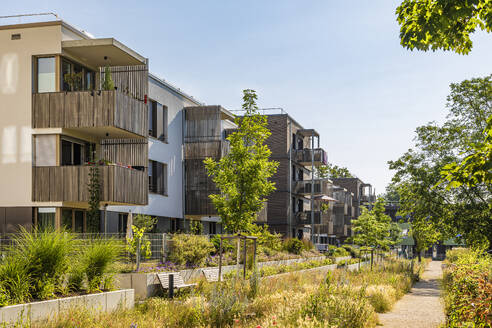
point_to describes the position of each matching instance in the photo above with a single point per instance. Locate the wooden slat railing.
(86, 109)
(119, 185)
(304, 156)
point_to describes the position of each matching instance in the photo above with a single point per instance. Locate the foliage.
(424, 233)
(266, 239)
(467, 284)
(15, 282)
(227, 246)
(391, 194)
(108, 83)
(74, 80)
(442, 24)
(242, 175)
(293, 245)
(190, 249)
(94, 189)
(196, 227)
(46, 255)
(424, 196)
(145, 222)
(354, 252)
(138, 245)
(96, 260)
(226, 302)
(476, 168)
(333, 171)
(372, 228)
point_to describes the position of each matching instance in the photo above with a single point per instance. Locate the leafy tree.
(442, 24)
(424, 233)
(391, 194)
(242, 175)
(196, 227)
(464, 210)
(333, 171)
(108, 83)
(145, 222)
(373, 228)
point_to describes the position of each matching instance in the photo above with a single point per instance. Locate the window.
(73, 152)
(75, 77)
(78, 221)
(152, 118)
(174, 225)
(46, 74)
(158, 120)
(158, 177)
(73, 220)
(122, 222)
(212, 228)
(46, 218)
(67, 219)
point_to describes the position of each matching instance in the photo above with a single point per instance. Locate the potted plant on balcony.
(108, 83)
(74, 80)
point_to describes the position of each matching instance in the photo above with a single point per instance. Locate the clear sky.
(335, 66)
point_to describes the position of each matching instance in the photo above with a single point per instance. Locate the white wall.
(169, 153)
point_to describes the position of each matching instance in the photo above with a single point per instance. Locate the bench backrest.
(211, 274)
(164, 279)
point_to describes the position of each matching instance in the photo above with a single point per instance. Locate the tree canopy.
(333, 171)
(442, 24)
(242, 175)
(424, 195)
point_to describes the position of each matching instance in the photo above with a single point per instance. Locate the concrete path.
(422, 307)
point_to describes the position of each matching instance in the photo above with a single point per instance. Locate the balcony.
(113, 110)
(321, 187)
(304, 218)
(119, 185)
(215, 148)
(304, 156)
(367, 198)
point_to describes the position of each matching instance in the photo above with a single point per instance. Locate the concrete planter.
(324, 269)
(342, 258)
(147, 285)
(36, 311)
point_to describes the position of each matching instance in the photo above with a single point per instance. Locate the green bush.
(190, 249)
(227, 246)
(226, 302)
(354, 252)
(47, 256)
(340, 252)
(293, 245)
(266, 239)
(15, 283)
(307, 245)
(96, 260)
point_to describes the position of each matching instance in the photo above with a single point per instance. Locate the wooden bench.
(211, 274)
(178, 280)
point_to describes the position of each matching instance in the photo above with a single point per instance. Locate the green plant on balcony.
(108, 83)
(74, 80)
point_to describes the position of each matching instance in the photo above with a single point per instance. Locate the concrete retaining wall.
(147, 285)
(102, 302)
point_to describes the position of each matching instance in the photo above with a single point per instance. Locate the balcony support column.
(312, 188)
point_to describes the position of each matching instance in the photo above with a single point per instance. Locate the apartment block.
(57, 117)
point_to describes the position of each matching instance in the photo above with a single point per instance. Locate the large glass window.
(67, 219)
(79, 221)
(158, 177)
(72, 152)
(75, 77)
(122, 222)
(46, 74)
(153, 118)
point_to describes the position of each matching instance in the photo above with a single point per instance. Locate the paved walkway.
(422, 307)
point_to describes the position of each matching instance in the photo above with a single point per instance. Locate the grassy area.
(339, 299)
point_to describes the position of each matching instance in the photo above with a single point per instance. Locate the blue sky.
(335, 66)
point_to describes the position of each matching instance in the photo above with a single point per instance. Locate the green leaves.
(442, 24)
(242, 175)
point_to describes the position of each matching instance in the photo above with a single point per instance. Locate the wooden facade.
(119, 185)
(132, 152)
(304, 156)
(321, 187)
(87, 109)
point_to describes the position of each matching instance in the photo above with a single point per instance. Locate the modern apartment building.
(297, 190)
(56, 116)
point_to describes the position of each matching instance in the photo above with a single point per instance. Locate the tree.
(145, 222)
(108, 83)
(391, 194)
(424, 233)
(442, 24)
(333, 171)
(373, 228)
(424, 196)
(242, 175)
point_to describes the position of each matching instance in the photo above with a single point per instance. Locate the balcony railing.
(321, 187)
(206, 148)
(119, 185)
(304, 218)
(89, 109)
(304, 156)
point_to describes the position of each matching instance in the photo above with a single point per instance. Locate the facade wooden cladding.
(202, 123)
(86, 109)
(132, 152)
(132, 80)
(119, 185)
(321, 187)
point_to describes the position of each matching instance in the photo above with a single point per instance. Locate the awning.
(326, 198)
(102, 52)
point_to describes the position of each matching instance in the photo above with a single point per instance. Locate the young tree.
(442, 24)
(145, 222)
(424, 233)
(333, 171)
(373, 228)
(242, 175)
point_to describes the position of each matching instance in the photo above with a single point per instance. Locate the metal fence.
(159, 243)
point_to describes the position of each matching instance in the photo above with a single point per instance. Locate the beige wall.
(15, 107)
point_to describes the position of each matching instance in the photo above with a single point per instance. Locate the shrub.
(226, 302)
(340, 252)
(307, 245)
(293, 245)
(354, 252)
(47, 255)
(96, 260)
(382, 297)
(266, 239)
(190, 249)
(15, 283)
(227, 246)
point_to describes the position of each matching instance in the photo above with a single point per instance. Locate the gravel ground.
(422, 307)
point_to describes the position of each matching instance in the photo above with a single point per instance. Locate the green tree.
(242, 175)
(145, 222)
(373, 228)
(442, 24)
(108, 83)
(333, 171)
(424, 195)
(391, 194)
(424, 233)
